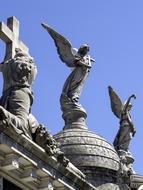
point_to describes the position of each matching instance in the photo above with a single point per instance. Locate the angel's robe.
(17, 102)
(125, 133)
(74, 84)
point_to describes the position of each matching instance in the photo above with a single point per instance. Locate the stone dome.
(92, 154)
(87, 149)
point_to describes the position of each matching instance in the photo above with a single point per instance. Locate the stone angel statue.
(79, 62)
(126, 130)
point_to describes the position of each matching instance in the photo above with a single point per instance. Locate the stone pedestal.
(75, 119)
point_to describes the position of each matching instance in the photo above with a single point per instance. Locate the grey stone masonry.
(136, 182)
(29, 167)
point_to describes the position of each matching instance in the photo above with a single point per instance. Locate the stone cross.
(10, 35)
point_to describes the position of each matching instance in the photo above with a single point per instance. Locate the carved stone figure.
(18, 71)
(80, 63)
(18, 74)
(126, 130)
(43, 138)
(16, 101)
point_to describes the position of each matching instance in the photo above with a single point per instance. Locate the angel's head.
(83, 50)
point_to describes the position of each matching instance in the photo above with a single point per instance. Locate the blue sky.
(114, 31)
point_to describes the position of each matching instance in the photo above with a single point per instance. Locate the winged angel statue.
(126, 130)
(79, 62)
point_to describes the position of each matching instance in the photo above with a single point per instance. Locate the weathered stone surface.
(93, 155)
(111, 186)
(35, 168)
(136, 181)
(84, 148)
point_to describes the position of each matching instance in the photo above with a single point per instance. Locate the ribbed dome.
(93, 155)
(86, 149)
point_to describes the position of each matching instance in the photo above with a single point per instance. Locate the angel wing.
(64, 47)
(116, 104)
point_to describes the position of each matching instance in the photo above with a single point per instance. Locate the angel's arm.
(81, 61)
(129, 118)
(128, 102)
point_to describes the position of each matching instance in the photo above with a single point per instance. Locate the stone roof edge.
(69, 176)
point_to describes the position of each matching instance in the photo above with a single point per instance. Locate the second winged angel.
(126, 130)
(79, 61)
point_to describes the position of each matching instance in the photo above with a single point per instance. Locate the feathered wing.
(64, 47)
(116, 104)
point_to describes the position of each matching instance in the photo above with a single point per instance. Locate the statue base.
(75, 118)
(126, 163)
(126, 155)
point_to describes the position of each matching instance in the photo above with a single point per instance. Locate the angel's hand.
(133, 96)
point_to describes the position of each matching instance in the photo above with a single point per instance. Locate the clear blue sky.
(114, 31)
